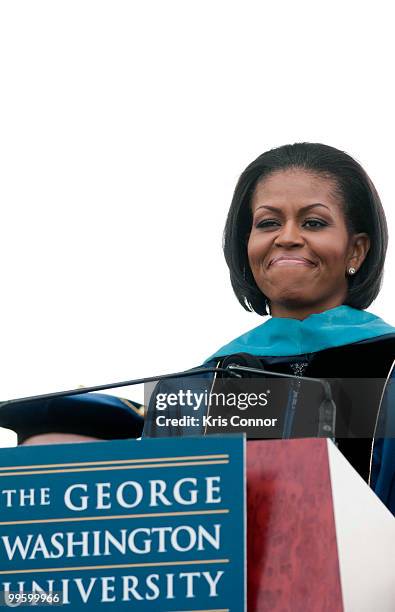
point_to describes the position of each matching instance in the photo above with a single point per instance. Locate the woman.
(305, 241)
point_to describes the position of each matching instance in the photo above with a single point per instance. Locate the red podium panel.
(291, 539)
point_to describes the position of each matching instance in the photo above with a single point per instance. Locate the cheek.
(256, 249)
(335, 254)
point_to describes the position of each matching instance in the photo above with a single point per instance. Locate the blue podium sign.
(147, 525)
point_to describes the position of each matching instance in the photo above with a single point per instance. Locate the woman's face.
(299, 248)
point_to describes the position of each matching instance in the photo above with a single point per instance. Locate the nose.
(289, 235)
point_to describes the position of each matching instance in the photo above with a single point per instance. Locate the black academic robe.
(356, 373)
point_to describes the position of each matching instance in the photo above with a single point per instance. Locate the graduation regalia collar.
(282, 337)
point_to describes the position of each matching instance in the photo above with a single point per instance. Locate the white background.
(123, 129)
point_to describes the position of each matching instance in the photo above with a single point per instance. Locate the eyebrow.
(303, 209)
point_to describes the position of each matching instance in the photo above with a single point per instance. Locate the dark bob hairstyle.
(362, 208)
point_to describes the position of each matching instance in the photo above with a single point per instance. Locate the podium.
(318, 539)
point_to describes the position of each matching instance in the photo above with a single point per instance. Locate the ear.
(360, 244)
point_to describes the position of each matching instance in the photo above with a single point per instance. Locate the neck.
(282, 311)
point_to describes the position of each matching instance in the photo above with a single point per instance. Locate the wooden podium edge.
(292, 553)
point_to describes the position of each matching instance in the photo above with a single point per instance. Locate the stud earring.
(351, 271)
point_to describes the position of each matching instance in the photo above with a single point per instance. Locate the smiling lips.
(283, 260)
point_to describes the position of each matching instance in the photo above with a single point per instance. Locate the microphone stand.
(327, 410)
(125, 383)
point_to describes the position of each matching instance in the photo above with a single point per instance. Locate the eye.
(267, 223)
(314, 223)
